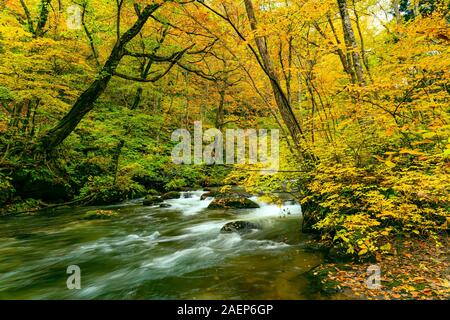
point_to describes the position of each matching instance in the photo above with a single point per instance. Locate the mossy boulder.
(208, 194)
(218, 194)
(171, 195)
(239, 227)
(100, 214)
(232, 203)
(151, 200)
(152, 192)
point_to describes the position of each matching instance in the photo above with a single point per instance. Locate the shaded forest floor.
(416, 270)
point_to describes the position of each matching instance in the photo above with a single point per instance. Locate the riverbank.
(415, 270)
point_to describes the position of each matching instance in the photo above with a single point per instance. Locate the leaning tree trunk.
(281, 100)
(350, 41)
(345, 60)
(86, 100)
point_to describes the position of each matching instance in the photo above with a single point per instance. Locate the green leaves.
(5, 94)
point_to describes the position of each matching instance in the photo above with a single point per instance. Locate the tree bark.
(86, 100)
(350, 41)
(42, 19)
(28, 16)
(361, 39)
(345, 61)
(116, 157)
(281, 100)
(219, 114)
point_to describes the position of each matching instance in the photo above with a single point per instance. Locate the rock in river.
(208, 194)
(218, 194)
(152, 192)
(151, 200)
(100, 214)
(239, 227)
(171, 195)
(229, 203)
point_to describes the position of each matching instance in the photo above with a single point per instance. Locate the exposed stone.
(239, 227)
(229, 203)
(218, 194)
(152, 192)
(100, 214)
(171, 195)
(151, 200)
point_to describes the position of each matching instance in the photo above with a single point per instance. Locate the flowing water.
(157, 253)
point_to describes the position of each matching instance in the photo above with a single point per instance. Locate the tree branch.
(28, 15)
(89, 36)
(175, 58)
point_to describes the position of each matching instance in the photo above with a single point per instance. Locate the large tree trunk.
(350, 41)
(345, 59)
(86, 100)
(282, 101)
(137, 98)
(361, 40)
(42, 19)
(82, 106)
(219, 114)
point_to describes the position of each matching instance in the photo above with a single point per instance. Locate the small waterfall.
(267, 210)
(189, 203)
(207, 245)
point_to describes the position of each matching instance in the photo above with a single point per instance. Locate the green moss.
(152, 192)
(228, 203)
(100, 214)
(171, 195)
(151, 200)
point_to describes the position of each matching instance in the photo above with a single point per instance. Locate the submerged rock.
(229, 203)
(171, 195)
(239, 227)
(165, 205)
(187, 195)
(100, 214)
(151, 200)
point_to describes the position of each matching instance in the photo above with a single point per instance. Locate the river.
(157, 253)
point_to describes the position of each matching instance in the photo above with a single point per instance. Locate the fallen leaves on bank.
(416, 270)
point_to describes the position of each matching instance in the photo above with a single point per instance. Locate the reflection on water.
(156, 253)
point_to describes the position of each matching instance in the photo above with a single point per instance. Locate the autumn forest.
(91, 92)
